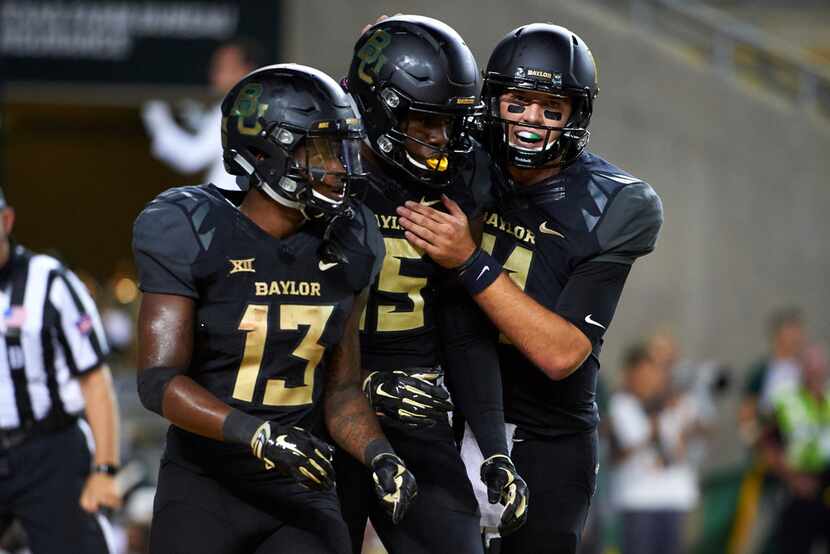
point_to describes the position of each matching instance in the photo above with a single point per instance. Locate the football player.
(415, 83)
(554, 257)
(248, 329)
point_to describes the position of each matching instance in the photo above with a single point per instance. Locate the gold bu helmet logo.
(238, 266)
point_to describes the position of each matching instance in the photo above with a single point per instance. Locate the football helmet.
(411, 71)
(547, 58)
(294, 132)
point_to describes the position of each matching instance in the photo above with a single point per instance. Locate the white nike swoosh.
(324, 266)
(483, 270)
(592, 322)
(425, 202)
(290, 446)
(544, 229)
(382, 392)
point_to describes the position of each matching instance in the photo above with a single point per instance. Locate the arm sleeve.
(78, 326)
(627, 230)
(590, 297)
(471, 368)
(165, 246)
(184, 151)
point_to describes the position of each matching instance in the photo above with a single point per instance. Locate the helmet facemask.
(310, 171)
(429, 143)
(532, 145)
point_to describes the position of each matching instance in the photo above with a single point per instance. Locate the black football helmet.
(407, 67)
(293, 130)
(545, 58)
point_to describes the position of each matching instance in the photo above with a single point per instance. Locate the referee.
(52, 373)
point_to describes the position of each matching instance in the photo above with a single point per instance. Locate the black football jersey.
(267, 310)
(398, 328)
(568, 243)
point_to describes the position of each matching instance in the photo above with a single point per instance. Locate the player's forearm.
(190, 406)
(551, 342)
(102, 414)
(471, 369)
(350, 420)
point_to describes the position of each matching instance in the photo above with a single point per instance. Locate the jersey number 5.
(255, 323)
(397, 317)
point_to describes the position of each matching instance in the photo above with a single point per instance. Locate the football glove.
(411, 397)
(394, 485)
(506, 486)
(296, 452)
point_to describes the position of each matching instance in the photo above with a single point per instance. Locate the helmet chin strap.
(280, 199)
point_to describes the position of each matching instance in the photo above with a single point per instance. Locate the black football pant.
(444, 516)
(804, 523)
(270, 514)
(561, 475)
(41, 481)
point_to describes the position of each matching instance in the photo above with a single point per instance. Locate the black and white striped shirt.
(50, 333)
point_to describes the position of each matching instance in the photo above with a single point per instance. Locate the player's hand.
(100, 491)
(506, 486)
(155, 113)
(296, 452)
(378, 20)
(409, 396)
(394, 485)
(446, 237)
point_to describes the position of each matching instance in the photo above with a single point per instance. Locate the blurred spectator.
(202, 150)
(758, 502)
(654, 485)
(797, 449)
(779, 371)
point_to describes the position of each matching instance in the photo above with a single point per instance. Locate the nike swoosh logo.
(382, 392)
(544, 229)
(324, 266)
(592, 322)
(484, 269)
(290, 446)
(425, 202)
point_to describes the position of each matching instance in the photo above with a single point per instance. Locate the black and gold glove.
(394, 485)
(296, 452)
(506, 486)
(411, 397)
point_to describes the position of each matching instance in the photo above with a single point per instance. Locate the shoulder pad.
(168, 237)
(630, 223)
(372, 238)
(362, 244)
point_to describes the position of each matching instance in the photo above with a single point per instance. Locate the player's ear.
(7, 218)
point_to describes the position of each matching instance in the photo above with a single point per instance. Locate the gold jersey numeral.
(517, 265)
(392, 317)
(292, 316)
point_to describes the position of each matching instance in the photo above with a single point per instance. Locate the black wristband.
(109, 469)
(470, 261)
(478, 272)
(240, 427)
(375, 449)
